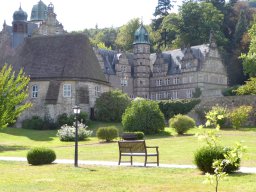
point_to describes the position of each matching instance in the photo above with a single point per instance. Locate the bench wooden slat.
(132, 148)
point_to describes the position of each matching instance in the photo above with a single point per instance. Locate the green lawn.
(173, 149)
(58, 177)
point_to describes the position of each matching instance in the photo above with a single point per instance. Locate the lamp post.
(76, 110)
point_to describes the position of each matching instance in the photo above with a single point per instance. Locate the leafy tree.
(198, 19)
(249, 88)
(125, 35)
(143, 115)
(241, 27)
(111, 105)
(13, 93)
(249, 59)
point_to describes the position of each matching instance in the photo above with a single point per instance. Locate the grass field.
(57, 177)
(173, 149)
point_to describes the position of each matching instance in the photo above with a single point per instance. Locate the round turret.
(20, 15)
(39, 12)
(141, 36)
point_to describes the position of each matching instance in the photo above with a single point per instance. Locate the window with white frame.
(189, 93)
(34, 91)
(169, 95)
(159, 82)
(153, 96)
(175, 95)
(97, 91)
(168, 81)
(175, 80)
(67, 90)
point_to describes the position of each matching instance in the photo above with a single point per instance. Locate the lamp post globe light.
(76, 110)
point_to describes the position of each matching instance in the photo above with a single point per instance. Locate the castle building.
(65, 70)
(175, 74)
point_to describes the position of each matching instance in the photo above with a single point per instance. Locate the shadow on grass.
(37, 135)
(162, 134)
(4, 148)
(239, 174)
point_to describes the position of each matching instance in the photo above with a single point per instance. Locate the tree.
(249, 88)
(125, 35)
(160, 13)
(249, 59)
(198, 19)
(13, 93)
(143, 115)
(111, 105)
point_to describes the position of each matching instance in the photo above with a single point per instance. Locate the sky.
(77, 15)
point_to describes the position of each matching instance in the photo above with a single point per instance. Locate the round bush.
(107, 133)
(143, 115)
(110, 106)
(182, 123)
(40, 156)
(205, 156)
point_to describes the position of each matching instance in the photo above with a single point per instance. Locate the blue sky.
(81, 14)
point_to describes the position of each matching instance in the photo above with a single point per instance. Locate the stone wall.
(228, 102)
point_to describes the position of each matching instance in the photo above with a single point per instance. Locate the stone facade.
(175, 74)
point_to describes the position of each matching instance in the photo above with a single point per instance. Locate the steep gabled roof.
(68, 56)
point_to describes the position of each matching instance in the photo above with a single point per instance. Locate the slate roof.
(68, 56)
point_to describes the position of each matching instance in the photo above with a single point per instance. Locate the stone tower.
(141, 50)
(19, 27)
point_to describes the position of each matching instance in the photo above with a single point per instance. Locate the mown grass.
(174, 149)
(22, 177)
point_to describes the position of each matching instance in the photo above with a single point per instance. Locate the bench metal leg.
(157, 160)
(119, 159)
(146, 159)
(131, 160)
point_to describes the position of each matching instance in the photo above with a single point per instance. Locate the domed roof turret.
(39, 12)
(141, 36)
(20, 15)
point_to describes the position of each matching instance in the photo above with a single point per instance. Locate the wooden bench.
(132, 148)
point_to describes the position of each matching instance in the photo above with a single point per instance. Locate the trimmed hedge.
(171, 108)
(40, 156)
(107, 133)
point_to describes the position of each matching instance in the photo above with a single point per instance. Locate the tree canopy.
(13, 94)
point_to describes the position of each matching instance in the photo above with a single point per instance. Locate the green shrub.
(143, 115)
(138, 135)
(239, 115)
(107, 133)
(230, 91)
(67, 133)
(40, 156)
(65, 119)
(34, 123)
(110, 106)
(182, 123)
(205, 156)
(174, 107)
(217, 116)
